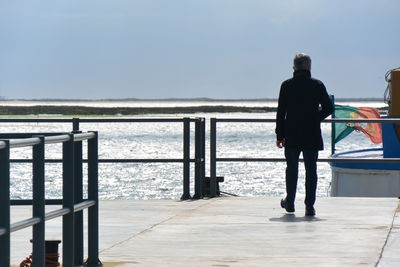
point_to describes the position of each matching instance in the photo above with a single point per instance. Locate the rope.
(49, 263)
(27, 262)
(229, 194)
(52, 263)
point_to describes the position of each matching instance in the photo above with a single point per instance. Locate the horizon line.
(179, 99)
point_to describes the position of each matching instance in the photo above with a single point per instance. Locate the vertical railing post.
(78, 197)
(198, 190)
(213, 157)
(203, 154)
(333, 129)
(5, 204)
(38, 202)
(75, 124)
(93, 212)
(68, 202)
(186, 159)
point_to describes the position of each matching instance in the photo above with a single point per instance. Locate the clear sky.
(94, 49)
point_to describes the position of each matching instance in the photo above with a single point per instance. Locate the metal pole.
(5, 204)
(333, 129)
(213, 157)
(78, 195)
(75, 124)
(68, 202)
(186, 159)
(203, 154)
(93, 211)
(198, 160)
(38, 205)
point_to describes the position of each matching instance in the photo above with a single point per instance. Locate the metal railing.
(199, 148)
(72, 200)
(213, 146)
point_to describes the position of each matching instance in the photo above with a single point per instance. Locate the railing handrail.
(89, 120)
(26, 142)
(343, 160)
(335, 120)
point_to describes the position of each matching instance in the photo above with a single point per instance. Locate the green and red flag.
(371, 130)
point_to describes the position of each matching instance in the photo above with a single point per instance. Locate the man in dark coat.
(303, 104)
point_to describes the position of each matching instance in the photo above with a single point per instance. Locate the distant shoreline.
(124, 111)
(84, 110)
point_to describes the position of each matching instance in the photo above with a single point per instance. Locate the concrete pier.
(241, 231)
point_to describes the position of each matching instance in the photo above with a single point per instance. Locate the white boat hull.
(347, 182)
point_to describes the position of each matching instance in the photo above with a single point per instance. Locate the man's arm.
(326, 104)
(280, 118)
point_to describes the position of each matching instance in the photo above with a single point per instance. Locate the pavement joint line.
(397, 210)
(154, 226)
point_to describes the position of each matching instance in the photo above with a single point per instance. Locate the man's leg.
(310, 163)
(292, 171)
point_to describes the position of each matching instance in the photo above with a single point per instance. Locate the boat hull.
(350, 182)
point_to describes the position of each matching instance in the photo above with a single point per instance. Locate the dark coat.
(303, 104)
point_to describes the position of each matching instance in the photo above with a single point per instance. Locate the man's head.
(302, 62)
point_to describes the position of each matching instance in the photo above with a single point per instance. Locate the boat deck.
(239, 231)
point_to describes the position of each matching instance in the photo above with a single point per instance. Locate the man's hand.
(280, 143)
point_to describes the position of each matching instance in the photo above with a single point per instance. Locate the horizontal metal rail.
(365, 160)
(143, 160)
(83, 136)
(336, 120)
(2, 231)
(385, 120)
(24, 224)
(57, 139)
(25, 142)
(111, 160)
(57, 213)
(14, 143)
(96, 120)
(37, 120)
(83, 205)
(52, 214)
(25, 202)
(137, 120)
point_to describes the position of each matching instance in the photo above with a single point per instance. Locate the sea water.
(164, 140)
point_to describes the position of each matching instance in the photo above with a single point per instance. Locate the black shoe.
(310, 211)
(288, 208)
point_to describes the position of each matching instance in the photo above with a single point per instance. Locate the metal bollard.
(52, 253)
(51, 248)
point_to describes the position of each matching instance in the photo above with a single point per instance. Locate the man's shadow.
(291, 217)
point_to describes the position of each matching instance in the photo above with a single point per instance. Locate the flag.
(371, 130)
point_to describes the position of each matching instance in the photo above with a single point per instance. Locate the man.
(303, 104)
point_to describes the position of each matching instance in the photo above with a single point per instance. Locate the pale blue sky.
(97, 49)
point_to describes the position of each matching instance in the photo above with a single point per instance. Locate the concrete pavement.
(242, 231)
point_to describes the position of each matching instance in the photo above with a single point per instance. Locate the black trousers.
(292, 173)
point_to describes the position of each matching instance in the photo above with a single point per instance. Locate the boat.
(373, 179)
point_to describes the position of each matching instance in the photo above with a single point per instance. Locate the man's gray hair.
(302, 62)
